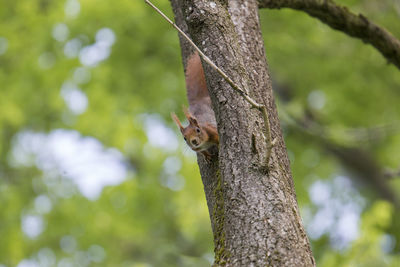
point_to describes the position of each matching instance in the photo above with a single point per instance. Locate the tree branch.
(340, 18)
(390, 174)
(358, 161)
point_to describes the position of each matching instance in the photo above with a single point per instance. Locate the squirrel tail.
(195, 80)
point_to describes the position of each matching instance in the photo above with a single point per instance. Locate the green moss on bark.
(221, 254)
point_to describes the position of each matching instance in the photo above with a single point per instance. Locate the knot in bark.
(198, 12)
(195, 15)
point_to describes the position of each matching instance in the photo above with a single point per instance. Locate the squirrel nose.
(195, 142)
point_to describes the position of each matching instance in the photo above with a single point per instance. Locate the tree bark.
(253, 208)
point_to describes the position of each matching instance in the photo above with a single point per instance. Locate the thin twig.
(251, 101)
(221, 72)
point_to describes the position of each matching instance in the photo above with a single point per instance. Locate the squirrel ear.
(193, 121)
(177, 122)
(187, 112)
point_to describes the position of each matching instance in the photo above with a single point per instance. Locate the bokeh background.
(94, 173)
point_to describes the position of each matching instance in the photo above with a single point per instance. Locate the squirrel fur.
(201, 133)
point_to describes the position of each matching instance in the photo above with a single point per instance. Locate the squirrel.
(201, 133)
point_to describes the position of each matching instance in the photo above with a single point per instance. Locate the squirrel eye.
(198, 130)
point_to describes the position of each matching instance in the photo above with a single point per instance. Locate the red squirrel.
(201, 133)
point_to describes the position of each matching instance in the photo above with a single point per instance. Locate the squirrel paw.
(207, 156)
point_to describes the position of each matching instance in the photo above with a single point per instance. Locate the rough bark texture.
(340, 18)
(253, 208)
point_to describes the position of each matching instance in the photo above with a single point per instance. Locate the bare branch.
(360, 162)
(390, 174)
(340, 18)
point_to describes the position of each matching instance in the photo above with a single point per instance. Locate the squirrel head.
(196, 137)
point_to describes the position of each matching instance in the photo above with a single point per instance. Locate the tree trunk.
(253, 208)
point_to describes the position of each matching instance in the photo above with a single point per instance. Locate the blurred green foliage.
(112, 71)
